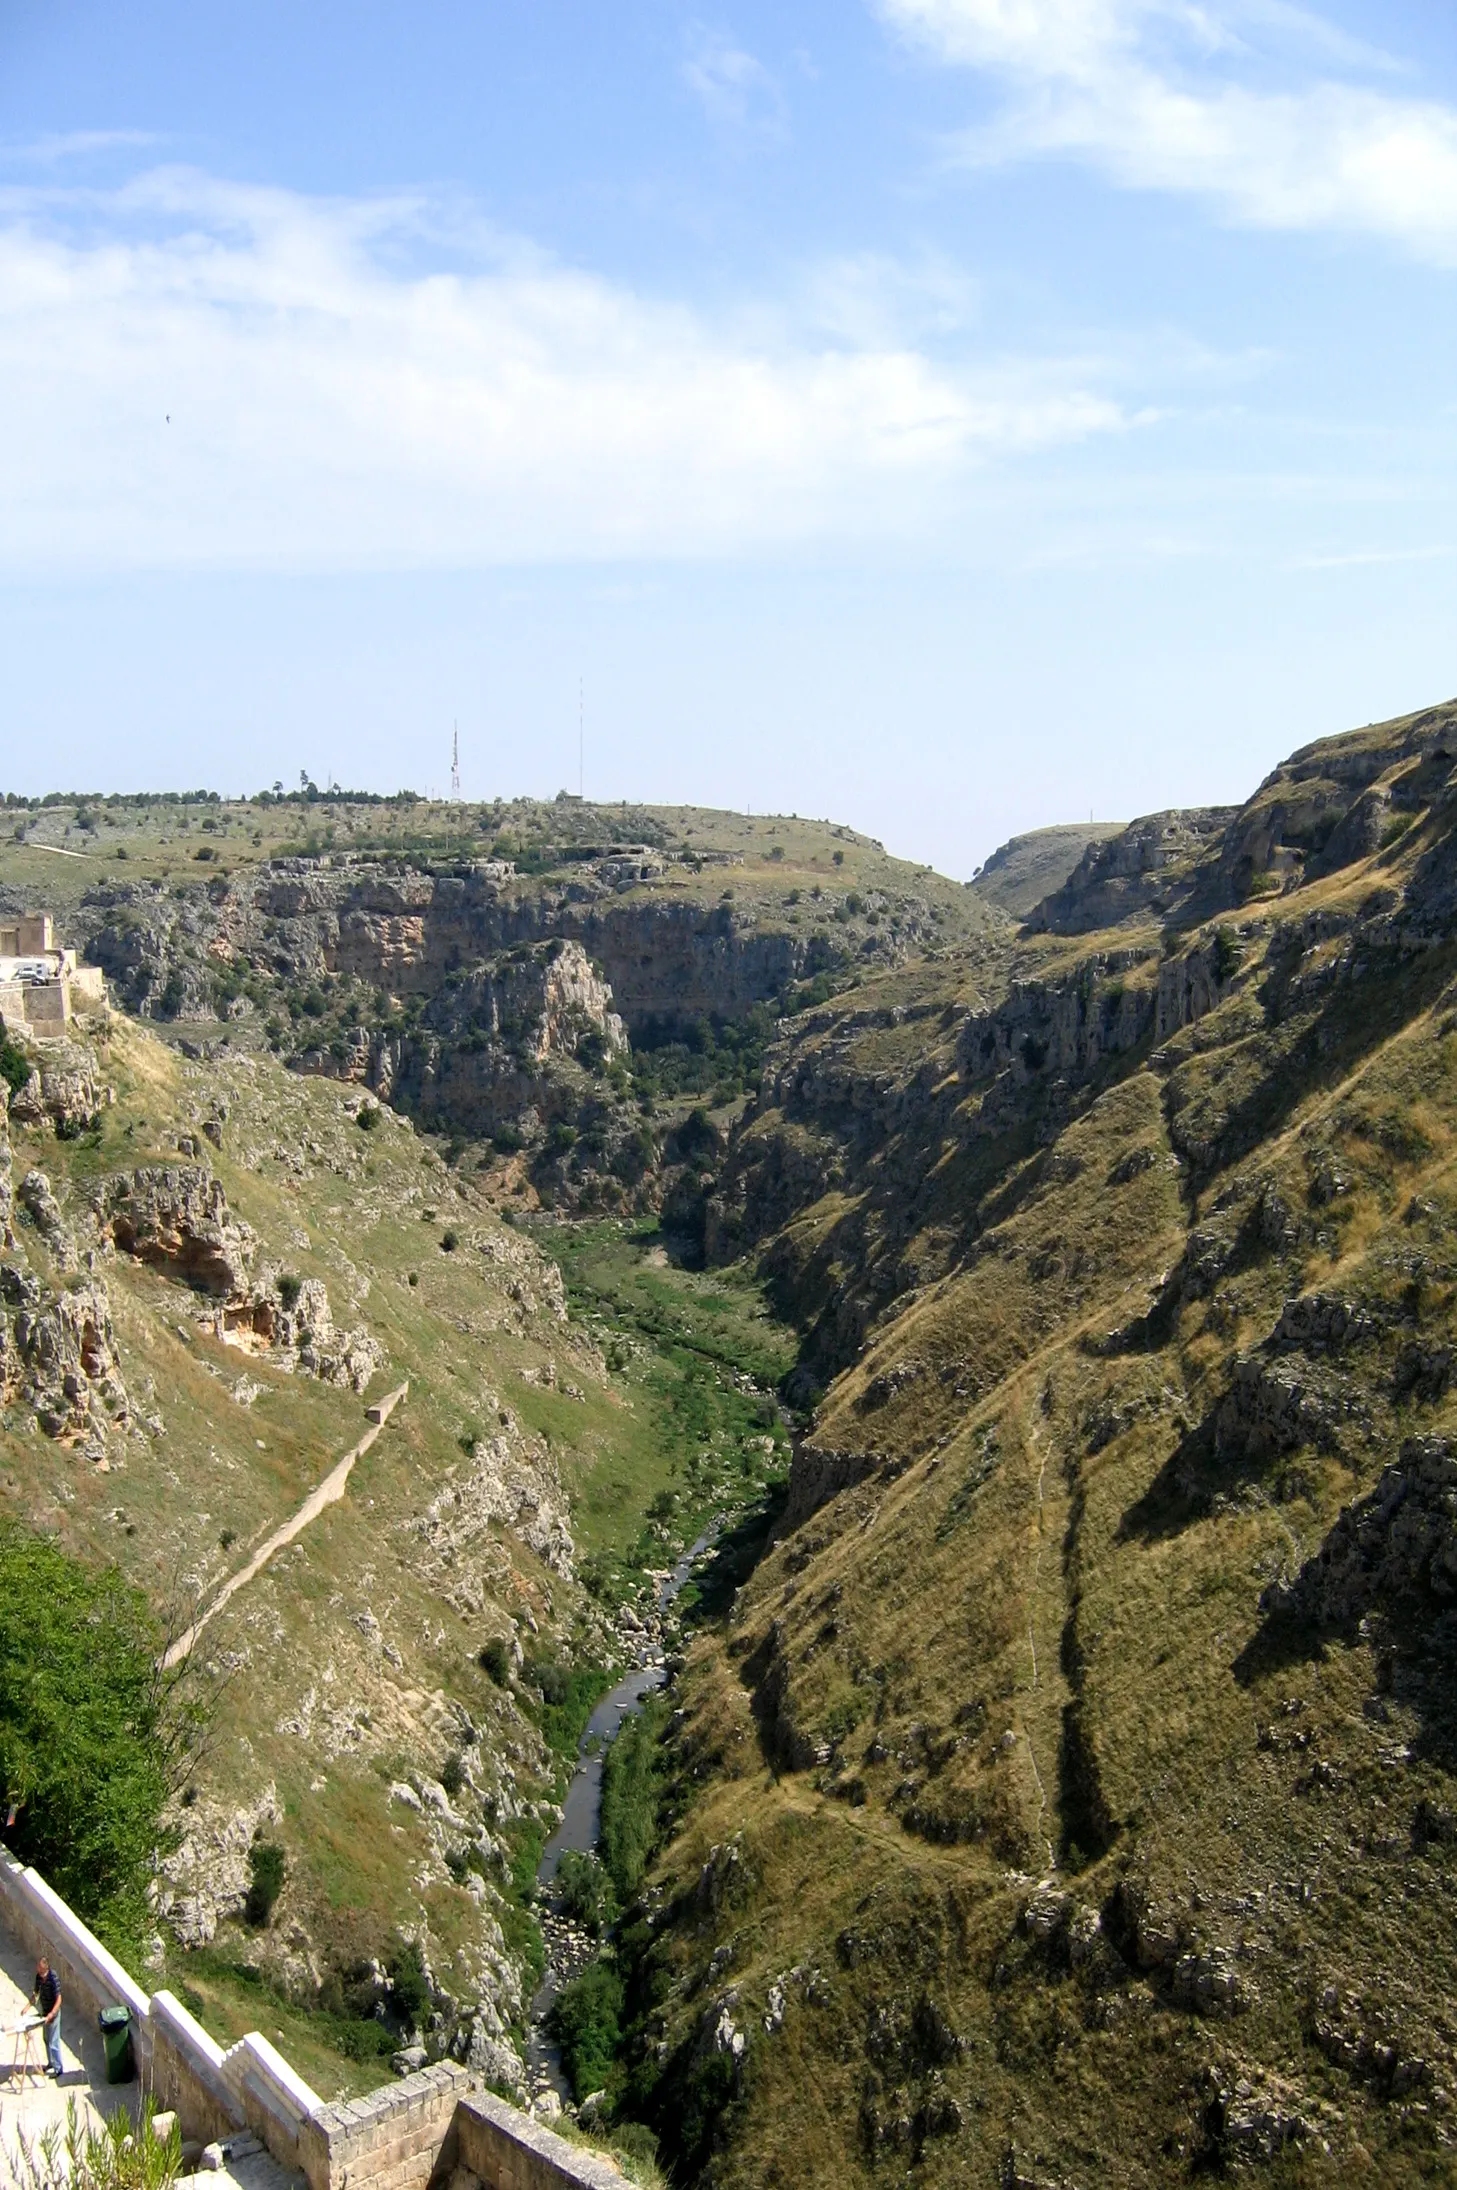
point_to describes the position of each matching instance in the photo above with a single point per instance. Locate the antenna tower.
(455, 765)
(581, 736)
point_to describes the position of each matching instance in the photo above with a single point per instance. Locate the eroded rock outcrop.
(58, 1356)
(64, 1090)
(205, 1877)
(176, 1217)
(1399, 1543)
(511, 1481)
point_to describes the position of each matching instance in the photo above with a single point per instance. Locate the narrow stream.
(568, 1950)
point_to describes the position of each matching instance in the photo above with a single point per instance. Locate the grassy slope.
(1030, 1644)
(314, 1707)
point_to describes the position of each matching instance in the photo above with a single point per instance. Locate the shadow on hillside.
(1186, 1489)
(1413, 1642)
(711, 1591)
(1357, 1020)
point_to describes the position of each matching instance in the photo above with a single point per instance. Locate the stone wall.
(184, 2067)
(391, 2139)
(91, 1978)
(506, 2150)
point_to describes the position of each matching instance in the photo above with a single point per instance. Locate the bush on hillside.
(14, 1064)
(266, 1863)
(89, 1745)
(409, 1986)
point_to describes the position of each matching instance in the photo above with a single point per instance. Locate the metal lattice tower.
(455, 764)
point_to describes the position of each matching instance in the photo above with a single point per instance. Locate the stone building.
(41, 985)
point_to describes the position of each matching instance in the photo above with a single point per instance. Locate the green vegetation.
(586, 2022)
(633, 1775)
(15, 1065)
(567, 1694)
(584, 1891)
(91, 1739)
(266, 1867)
(119, 2154)
(717, 1056)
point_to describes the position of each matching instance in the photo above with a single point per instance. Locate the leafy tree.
(90, 1747)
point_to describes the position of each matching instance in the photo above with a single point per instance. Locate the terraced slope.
(1070, 1795)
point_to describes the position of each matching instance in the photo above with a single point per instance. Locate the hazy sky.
(949, 415)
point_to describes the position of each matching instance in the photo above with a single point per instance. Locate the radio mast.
(455, 765)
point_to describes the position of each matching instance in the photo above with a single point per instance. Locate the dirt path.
(327, 1493)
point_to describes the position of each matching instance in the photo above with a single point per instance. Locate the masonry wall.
(389, 2140)
(509, 2151)
(185, 2068)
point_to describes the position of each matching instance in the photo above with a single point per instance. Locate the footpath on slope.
(327, 1493)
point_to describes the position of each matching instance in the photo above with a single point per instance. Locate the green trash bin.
(116, 2038)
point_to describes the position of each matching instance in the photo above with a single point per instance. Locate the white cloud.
(1157, 93)
(735, 88)
(328, 409)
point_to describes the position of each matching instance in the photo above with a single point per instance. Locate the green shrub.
(409, 1987)
(586, 2022)
(289, 1288)
(367, 1117)
(452, 1774)
(495, 1659)
(583, 1892)
(449, 1241)
(91, 1737)
(112, 2155)
(15, 1066)
(632, 1782)
(268, 1868)
(1227, 953)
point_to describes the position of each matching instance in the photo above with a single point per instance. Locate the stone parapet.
(507, 2150)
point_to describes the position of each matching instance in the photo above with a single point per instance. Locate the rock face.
(7, 1194)
(511, 1480)
(408, 933)
(1146, 869)
(58, 1357)
(291, 1319)
(487, 1046)
(206, 1876)
(176, 1217)
(1398, 1544)
(64, 1090)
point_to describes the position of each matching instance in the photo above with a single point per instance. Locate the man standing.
(46, 2000)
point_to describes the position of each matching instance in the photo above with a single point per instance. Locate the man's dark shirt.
(47, 1992)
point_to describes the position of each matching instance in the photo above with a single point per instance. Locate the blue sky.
(946, 414)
